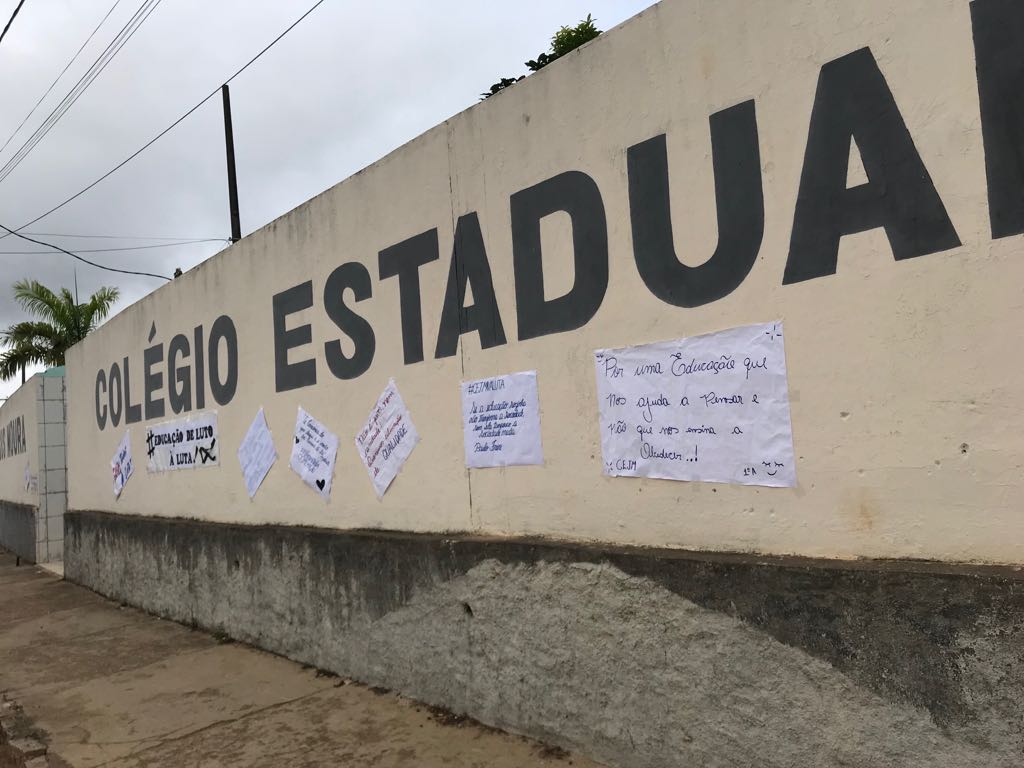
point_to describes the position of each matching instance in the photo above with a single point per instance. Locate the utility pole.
(229, 145)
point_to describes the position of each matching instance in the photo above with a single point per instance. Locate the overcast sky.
(349, 84)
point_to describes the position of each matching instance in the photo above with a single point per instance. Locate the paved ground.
(114, 687)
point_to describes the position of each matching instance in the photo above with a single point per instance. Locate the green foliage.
(570, 38)
(535, 65)
(60, 324)
(565, 40)
(501, 85)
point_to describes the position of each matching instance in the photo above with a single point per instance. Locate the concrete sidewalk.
(102, 685)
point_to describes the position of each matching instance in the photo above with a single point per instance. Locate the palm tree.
(61, 323)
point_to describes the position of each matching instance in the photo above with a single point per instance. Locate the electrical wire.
(66, 68)
(11, 21)
(80, 258)
(120, 237)
(133, 248)
(169, 128)
(78, 89)
(125, 237)
(94, 71)
(97, 67)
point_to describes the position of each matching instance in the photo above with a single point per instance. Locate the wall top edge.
(595, 549)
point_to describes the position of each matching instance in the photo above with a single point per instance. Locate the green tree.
(60, 323)
(565, 40)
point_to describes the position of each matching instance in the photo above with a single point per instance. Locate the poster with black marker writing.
(183, 443)
(501, 421)
(387, 439)
(314, 451)
(711, 408)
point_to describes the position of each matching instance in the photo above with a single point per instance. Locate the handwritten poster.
(183, 444)
(501, 421)
(387, 439)
(256, 453)
(713, 408)
(31, 481)
(314, 452)
(121, 465)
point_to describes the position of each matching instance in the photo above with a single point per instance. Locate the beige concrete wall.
(904, 389)
(24, 404)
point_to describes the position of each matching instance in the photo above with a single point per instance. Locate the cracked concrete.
(110, 686)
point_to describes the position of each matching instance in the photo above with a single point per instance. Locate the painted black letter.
(739, 196)
(405, 260)
(132, 413)
(469, 265)
(576, 194)
(355, 276)
(153, 381)
(303, 373)
(853, 101)
(200, 368)
(115, 402)
(998, 31)
(223, 389)
(101, 408)
(179, 380)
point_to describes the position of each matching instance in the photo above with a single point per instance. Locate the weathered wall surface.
(19, 435)
(19, 470)
(641, 658)
(892, 259)
(18, 529)
(33, 469)
(53, 467)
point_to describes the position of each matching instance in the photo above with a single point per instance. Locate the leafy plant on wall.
(565, 40)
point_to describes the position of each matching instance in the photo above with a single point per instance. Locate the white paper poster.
(183, 444)
(387, 439)
(314, 451)
(31, 481)
(713, 408)
(501, 421)
(256, 453)
(121, 465)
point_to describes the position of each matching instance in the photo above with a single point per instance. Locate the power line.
(105, 57)
(132, 248)
(117, 167)
(94, 71)
(80, 258)
(66, 68)
(125, 237)
(11, 20)
(169, 128)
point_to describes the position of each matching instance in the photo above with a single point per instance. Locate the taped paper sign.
(387, 439)
(183, 444)
(256, 453)
(121, 465)
(31, 481)
(501, 421)
(713, 408)
(314, 451)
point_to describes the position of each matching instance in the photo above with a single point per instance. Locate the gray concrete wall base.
(18, 529)
(639, 658)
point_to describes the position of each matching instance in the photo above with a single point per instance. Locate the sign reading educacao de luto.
(12, 438)
(852, 170)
